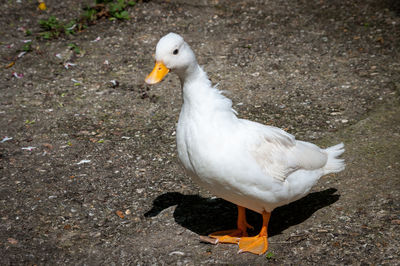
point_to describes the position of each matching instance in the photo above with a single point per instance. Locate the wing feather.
(279, 154)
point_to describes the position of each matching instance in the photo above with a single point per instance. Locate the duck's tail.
(334, 164)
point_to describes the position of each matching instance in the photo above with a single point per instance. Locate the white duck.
(252, 165)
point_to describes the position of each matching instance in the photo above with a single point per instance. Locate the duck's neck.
(191, 73)
(199, 93)
(194, 83)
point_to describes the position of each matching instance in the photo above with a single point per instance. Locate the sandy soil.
(91, 175)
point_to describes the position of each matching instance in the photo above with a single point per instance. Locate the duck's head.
(172, 54)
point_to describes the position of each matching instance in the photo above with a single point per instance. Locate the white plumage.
(252, 165)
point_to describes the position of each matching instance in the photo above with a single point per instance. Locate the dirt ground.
(89, 172)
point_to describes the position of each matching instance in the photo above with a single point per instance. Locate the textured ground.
(103, 185)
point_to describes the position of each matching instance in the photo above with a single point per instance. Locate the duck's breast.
(215, 154)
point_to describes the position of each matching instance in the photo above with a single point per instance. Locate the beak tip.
(158, 73)
(149, 81)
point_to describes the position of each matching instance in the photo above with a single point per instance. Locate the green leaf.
(75, 48)
(90, 14)
(46, 35)
(27, 47)
(123, 15)
(69, 28)
(51, 23)
(270, 255)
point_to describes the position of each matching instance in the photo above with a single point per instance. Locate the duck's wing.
(279, 154)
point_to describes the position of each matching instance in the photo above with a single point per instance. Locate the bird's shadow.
(206, 215)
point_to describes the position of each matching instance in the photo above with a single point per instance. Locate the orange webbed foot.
(233, 236)
(256, 244)
(228, 236)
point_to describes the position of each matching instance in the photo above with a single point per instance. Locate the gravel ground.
(91, 175)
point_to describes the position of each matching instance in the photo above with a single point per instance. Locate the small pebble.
(176, 253)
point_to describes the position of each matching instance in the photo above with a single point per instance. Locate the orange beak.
(158, 73)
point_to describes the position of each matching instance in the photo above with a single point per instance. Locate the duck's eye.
(176, 51)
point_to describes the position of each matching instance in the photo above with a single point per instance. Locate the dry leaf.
(48, 146)
(12, 241)
(210, 240)
(9, 65)
(120, 214)
(67, 226)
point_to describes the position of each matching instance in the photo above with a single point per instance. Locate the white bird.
(252, 165)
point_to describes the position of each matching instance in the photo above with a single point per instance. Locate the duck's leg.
(233, 236)
(257, 244)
